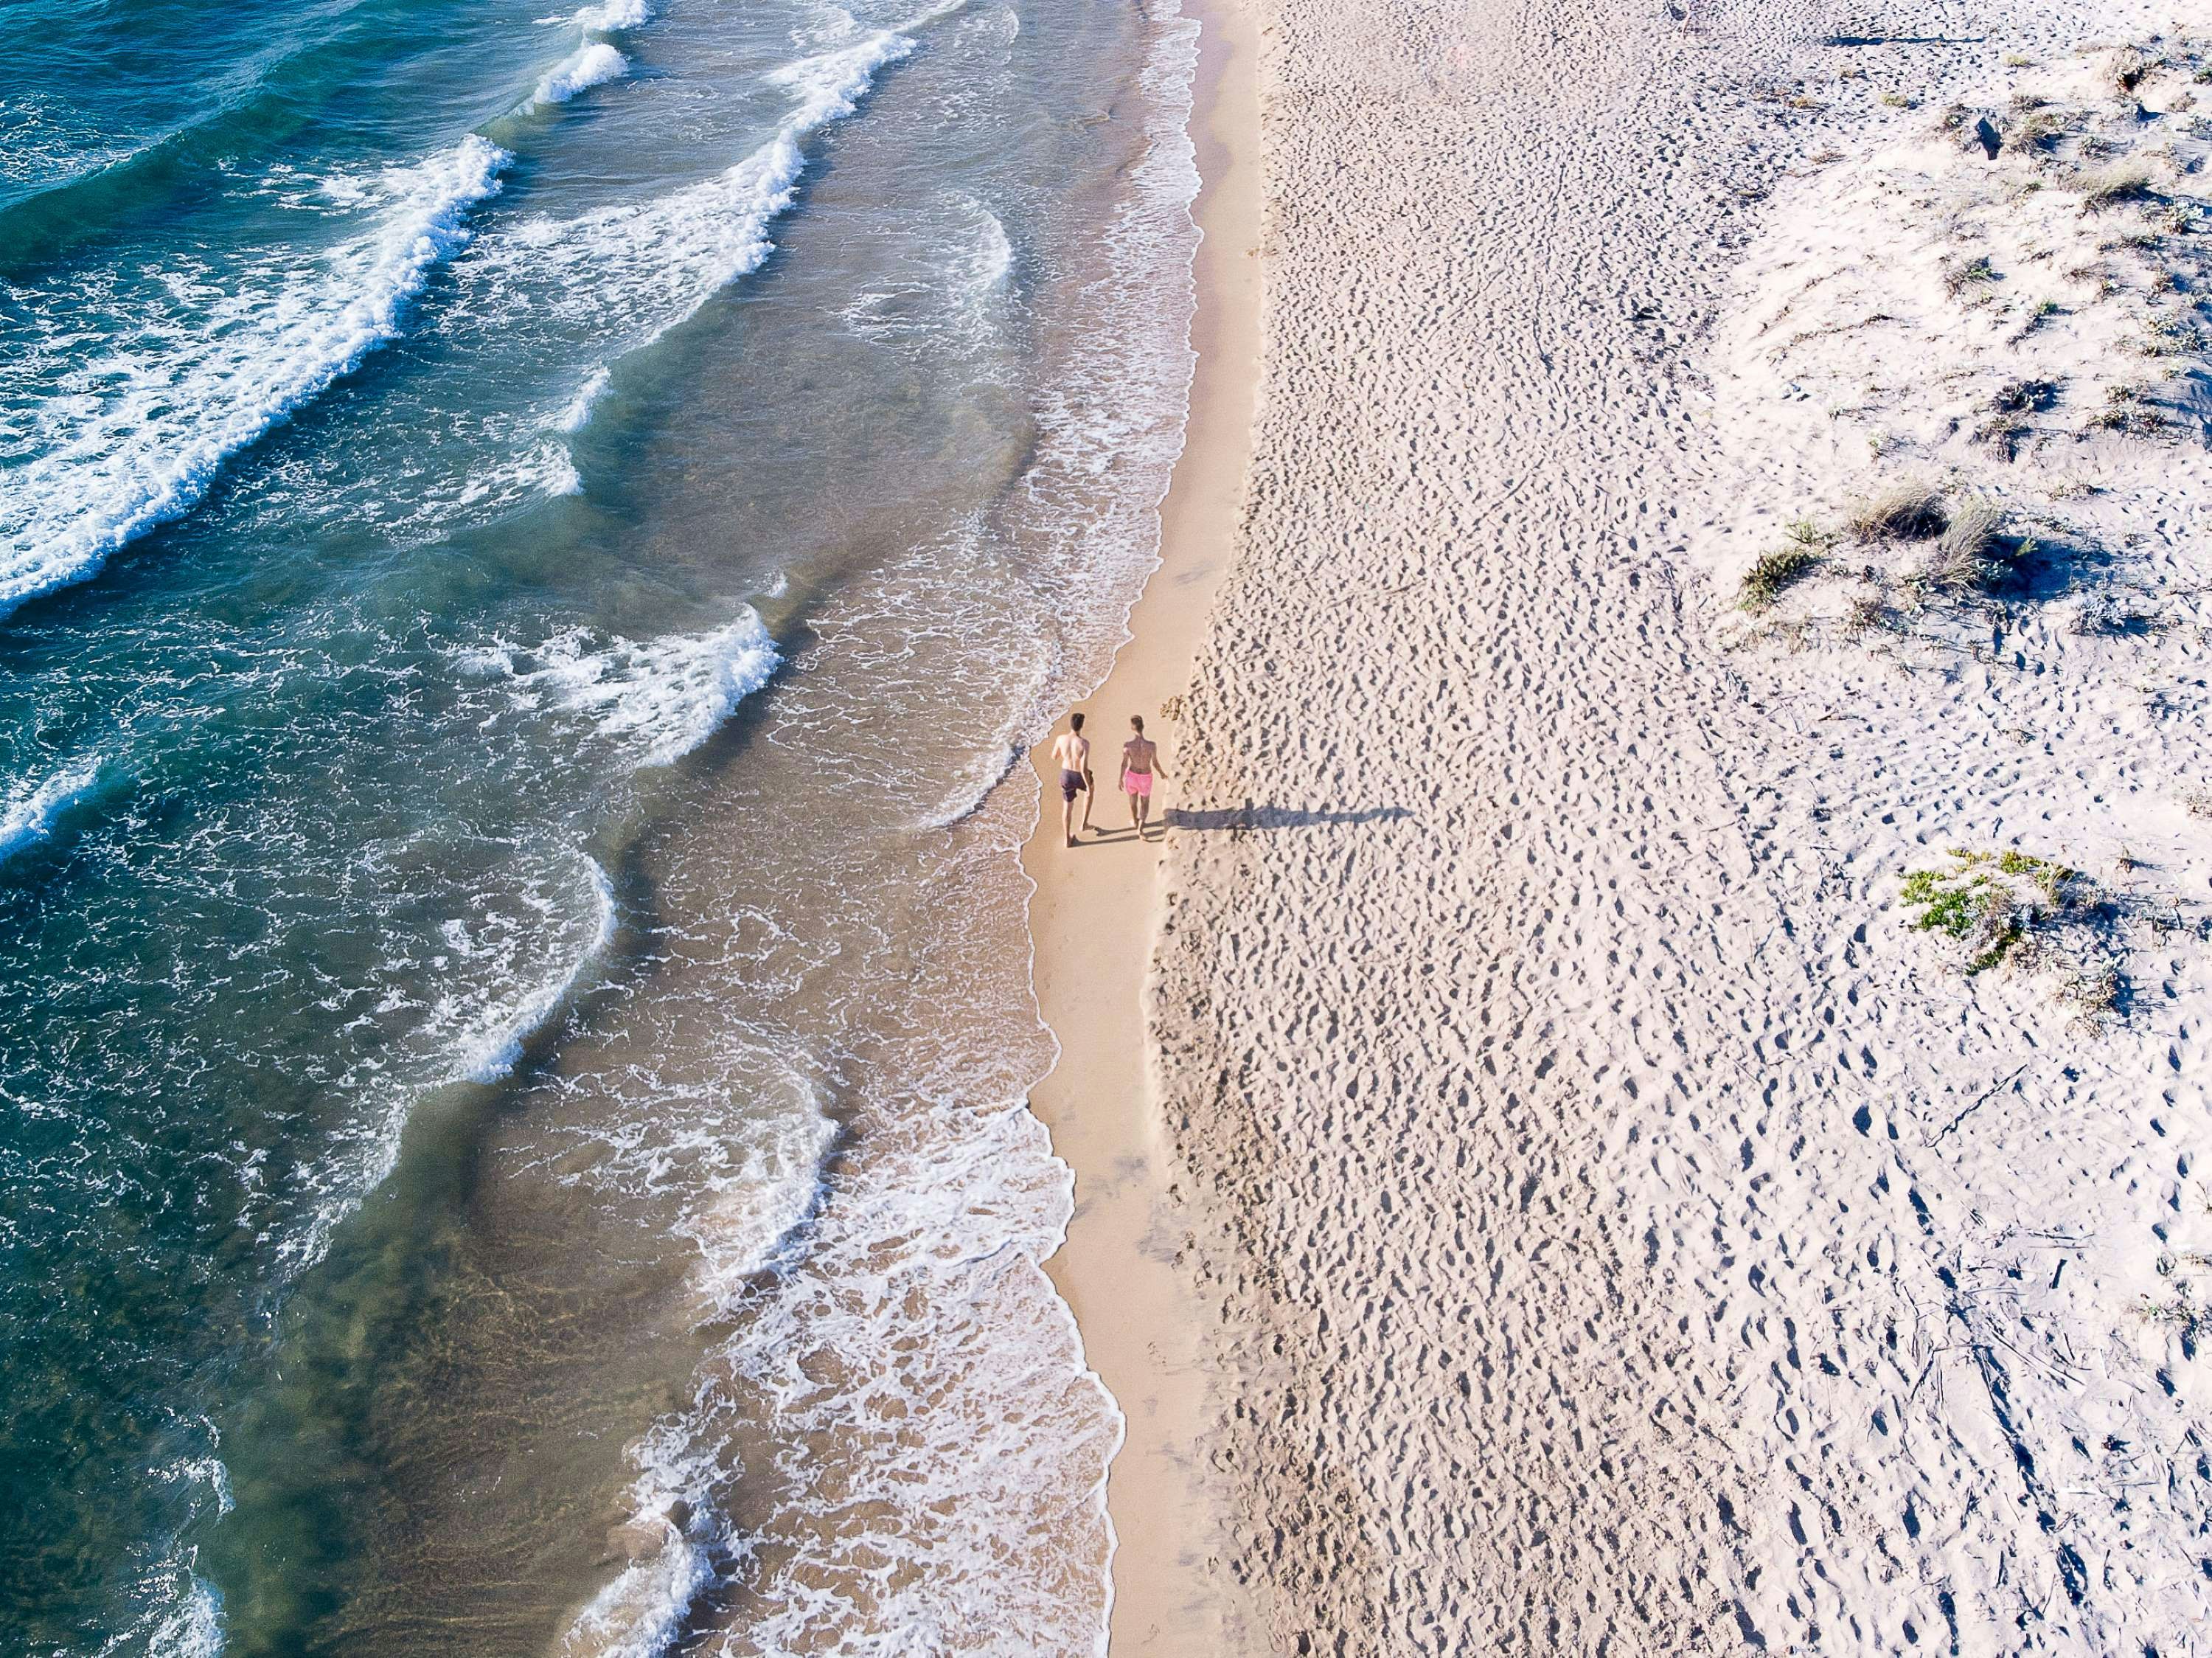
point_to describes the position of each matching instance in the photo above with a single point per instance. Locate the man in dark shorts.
(1071, 753)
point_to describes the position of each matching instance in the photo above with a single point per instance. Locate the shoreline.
(1095, 912)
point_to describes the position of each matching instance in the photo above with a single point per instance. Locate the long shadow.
(2038, 572)
(1279, 817)
(1906, 39)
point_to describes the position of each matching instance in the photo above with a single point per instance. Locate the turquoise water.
(528, 545)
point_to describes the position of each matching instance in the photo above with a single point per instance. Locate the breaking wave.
(150, 449)
(489, 1049)
(659, 261)
(476, 1033)
(29, 814)
(658, 701)
(588, 66)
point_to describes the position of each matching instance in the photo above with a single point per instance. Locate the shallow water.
(529, 545)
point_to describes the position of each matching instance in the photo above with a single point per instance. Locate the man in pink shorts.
(1140, 762)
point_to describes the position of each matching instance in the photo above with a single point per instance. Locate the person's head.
(1137, 723)
(1075, 722)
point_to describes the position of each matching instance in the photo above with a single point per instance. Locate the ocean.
(531, 547)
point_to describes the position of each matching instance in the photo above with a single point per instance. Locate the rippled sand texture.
(1595, 1277)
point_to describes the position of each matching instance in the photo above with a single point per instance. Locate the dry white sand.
(1622, 1232)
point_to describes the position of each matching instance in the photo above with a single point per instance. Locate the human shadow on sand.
(1278, 817)
(1906, 39)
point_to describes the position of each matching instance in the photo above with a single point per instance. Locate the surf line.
(744, 200)
(595, 61)
(73, 506)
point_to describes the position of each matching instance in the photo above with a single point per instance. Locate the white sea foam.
(947, 285)
(30, 811)
(750, 1184)
(591, 64)
(180, 1614)
(640, 1614)
(659, 261)
(562, 476)
(203, 1470)
(753, 1184)
(547, 470)
(947, 1492)
(920, 1288)
(578, 412)
(137, 456)
(1026, 679)
(612, 16)
(990, 260)
(487, 1050)
(965, 1422)
(543, 471)
(486, 1007)
(658, 700)
(972, 786)
(827, 24)
(192, 1628)
(751, 1190)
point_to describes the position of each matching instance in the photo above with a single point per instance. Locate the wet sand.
(1093, 921)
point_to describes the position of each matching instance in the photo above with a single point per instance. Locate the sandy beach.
(1093, 921)
(567, 1098)
(1647, 1101)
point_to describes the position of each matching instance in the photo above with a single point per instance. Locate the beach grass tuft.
(1965, 555)
(2128, 410)
(2179, 1314)
(1903, 512)
(2053, 878)
(2039, 129)
(1774, 573)
(2093, 991)
(1965, 904)
(1960, 275)
(1987, 902)
(2129, 70)
(2171, 336)
(2116, 187)
(2034, 914)
(2018, 396)
(1865, 613)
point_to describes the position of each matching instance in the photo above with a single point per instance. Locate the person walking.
(1140, 762)
(1071, 753)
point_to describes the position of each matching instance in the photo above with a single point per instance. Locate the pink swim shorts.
(1137, 783)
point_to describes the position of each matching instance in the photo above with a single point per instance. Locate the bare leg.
(1144, 804)
(1136, 820)
(1090, 794)
(1068, 819)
